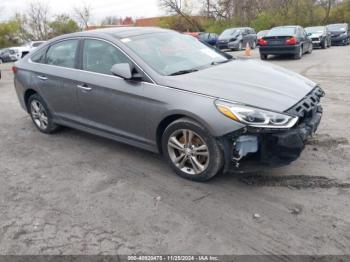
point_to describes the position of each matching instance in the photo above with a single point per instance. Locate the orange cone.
(248, 50)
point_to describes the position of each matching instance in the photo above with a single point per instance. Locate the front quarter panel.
(165, 101)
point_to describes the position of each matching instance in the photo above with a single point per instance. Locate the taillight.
(291, 41)
(262, 41)
(14, 69)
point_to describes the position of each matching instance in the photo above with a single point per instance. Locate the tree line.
(38, 23)
(216, 15)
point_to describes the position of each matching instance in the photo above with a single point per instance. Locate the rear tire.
(263, 57)
(41, 115)
(309, 51)
(299, 54)
(191, 151)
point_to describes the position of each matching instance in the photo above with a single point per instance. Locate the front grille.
(315, 39)
(309, 105)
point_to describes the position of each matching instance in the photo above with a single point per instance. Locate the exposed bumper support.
(275, 147)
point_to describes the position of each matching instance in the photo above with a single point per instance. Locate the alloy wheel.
(188, 151)
(39, 114)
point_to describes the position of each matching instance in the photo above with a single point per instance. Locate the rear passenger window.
(62, 54)
(100, 56)
(39, 57)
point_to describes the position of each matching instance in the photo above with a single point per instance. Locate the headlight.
(344, 34)
(255, 117)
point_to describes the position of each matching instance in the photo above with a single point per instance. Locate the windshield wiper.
(220, 62)
(182, 72)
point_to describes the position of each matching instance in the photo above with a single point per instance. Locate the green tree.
(63, 24)
(9, 33)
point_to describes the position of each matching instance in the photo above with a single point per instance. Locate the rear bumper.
(279, 50)
(274, 147)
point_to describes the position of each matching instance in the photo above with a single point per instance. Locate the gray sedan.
(169, 93)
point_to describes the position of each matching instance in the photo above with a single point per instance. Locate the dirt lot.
(74, 193)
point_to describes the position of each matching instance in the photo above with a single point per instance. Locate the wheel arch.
(167, 120)
(27, 94)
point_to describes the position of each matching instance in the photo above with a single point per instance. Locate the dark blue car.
(209, 38)
(340, 34)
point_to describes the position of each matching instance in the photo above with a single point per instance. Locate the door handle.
(84, 87)
(42, 77)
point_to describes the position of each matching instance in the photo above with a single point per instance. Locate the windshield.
(230, 32)
(262, 33)
(281, 31)
(169, 53)
(337, 27)
(316, 29)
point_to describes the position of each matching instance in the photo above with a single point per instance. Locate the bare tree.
(181, 8)
(83, 15)
(37, 17)
(327, 6)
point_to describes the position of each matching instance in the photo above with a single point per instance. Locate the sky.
(100, 8)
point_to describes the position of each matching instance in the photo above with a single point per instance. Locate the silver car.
(166, 92)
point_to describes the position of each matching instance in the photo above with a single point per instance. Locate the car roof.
(122, 32)
(240, 28)
(339, 24)
(282, 26)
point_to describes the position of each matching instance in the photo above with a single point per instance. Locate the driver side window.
(99, 56)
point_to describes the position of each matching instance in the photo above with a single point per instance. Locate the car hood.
(338, 32)
(246, 81)
(227, 37)
(316, 34)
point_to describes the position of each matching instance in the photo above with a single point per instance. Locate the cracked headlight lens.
(255, 117)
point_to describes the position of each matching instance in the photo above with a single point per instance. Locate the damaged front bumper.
(251, 149)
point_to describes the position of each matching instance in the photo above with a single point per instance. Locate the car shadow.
(144, 163)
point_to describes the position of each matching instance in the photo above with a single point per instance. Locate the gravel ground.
(74, 193)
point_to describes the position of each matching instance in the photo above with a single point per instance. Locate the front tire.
(41, 115)
(240, 46)
(324, 44)
(191, 151)
(254, 45)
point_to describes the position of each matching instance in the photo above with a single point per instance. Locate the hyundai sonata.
(166, 92)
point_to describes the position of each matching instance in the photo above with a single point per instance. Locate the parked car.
(11, 54)
(209, 38)
(237, 38)
(340, 34)
(30, 46)
(168, 93)
(320, 36)
(261, 34)
(285, 40)
(2, 55)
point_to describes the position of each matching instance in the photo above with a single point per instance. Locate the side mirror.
(122, 70)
